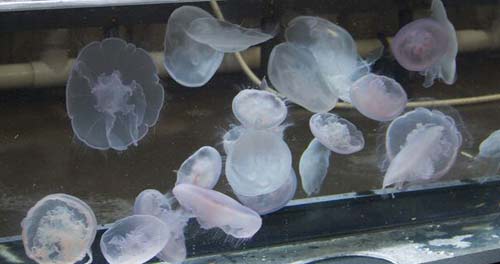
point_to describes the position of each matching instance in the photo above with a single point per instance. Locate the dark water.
(40, 155)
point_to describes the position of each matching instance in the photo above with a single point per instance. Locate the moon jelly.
(224, 36)
(431, 140)
(313, 167)
(490, 147)
(113, 94)
(134, 239)
(295, 73)
(259, 163)
(259, 109)
(230, 138)
(428, 45)
(187, 61)
(378, 97)
(203, 168)
(336, 133)
(59, 229)
(214, 209)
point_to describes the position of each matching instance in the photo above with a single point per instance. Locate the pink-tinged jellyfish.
(421, 145)
(187, 61)
(296, 74)
(259, 109)
(336, 133)
(313, 167)
(429, 46)
(152, 202)
(214, 209)
(203, 168)
(273, 201)
(59, 229)
(224, 36)
(259, 163)
(134, 239)
(378, 97)
(113, 94)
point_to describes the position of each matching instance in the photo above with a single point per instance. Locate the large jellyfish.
(59, 229)
(336, 133)
(214, 209)
(313, 166)
(378, 97)
(203, 168)
(489, 151)
(134, 239)
(429, 46)
(259, 109)
(421, 145)
(113, 94)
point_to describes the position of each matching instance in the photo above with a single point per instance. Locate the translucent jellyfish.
(214, 209)
(224, 36)
(378, 97)
(295, 73)
(259, 163)
(259, 109)
(230, 138)
(313, 167)
(489, 152)
(134, 239)
(187, 61)
(430, 141)
(273, 201)
(59, 229)
(428, 45)
(336, 133)
(203, 168)
(113, 94)
(152, 202)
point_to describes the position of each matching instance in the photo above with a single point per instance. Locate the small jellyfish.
(313, 167)
(203, 168)
(273, 201)
(224, 36)
(336, 133)
(421, 145)
(59, 229)
(259, 109)
(113, 94)
(134, 239)
(429, 46)
(230, 138)
(187, 61)
(214, 209)
(295, 73)
(489, 152)
(259, 163)
(378, 97)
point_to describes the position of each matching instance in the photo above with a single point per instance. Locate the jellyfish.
(230, 138)
(203, 168)
(336, 133)
(378, 97)
(258, 163)
(224, 36)
(59, 229)
(259, 109)
(295, 73)
(489, 151)
(134, 239)
(152, 202)
(421, 145)
(113, 94)
(214, 209)
(187, 61)
(313, 166)
(429, 46)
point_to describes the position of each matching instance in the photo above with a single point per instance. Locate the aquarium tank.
(249, 131)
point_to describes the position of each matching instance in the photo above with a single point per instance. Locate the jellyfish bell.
(187, 61)
(113, 94)
(59, 229)
(203, 168)
(336, 133)
(313, 166)
(259, 109)
(490, 147)
(378, 97)
(230, 137)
